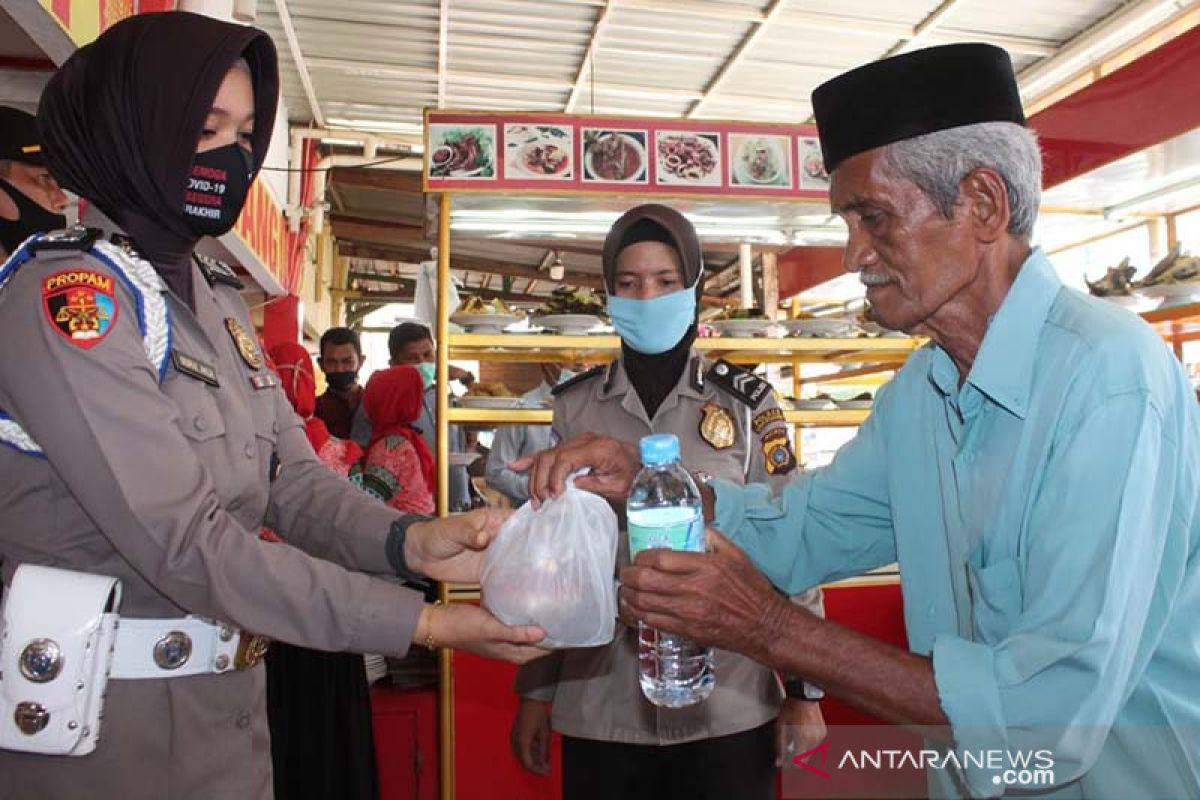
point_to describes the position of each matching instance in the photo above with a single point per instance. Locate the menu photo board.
(500, 152)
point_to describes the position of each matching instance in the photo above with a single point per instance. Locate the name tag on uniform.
(263, 380)
(195, 368)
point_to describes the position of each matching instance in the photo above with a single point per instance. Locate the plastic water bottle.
(665, 510)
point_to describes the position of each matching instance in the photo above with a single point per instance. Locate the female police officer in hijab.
(149, 442)
(615, 743)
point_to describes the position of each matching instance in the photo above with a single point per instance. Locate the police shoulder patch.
(742, 384)
(74, 239)
(777, 452)
(765, 419)
(215, 271)
(586, 375)
(81, 305)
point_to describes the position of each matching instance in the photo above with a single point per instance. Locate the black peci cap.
(19, 139)
(913, 94)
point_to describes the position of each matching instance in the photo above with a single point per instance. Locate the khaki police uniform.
(729, 426)
(164, 481)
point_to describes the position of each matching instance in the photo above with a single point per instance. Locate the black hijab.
(655, 376)
(121, 119)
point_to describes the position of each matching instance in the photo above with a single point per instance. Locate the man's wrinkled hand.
(717, 598)
(452, 548)
(613, 464)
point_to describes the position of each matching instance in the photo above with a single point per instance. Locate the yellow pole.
(442, 333)
(445, 655)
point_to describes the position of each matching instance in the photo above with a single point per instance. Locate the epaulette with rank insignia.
(742, 384)
(580, 378)
(76, 238)
(217, 271)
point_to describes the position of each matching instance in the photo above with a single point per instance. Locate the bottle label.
(686, 535)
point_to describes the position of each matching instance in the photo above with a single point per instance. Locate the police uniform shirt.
(595, 691)
(164, 482)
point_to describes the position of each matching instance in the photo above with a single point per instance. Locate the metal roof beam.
(840, 23)
(289, 32)
(585, 66)
(443, 42)
(924, 28)
(465, 80)
(1092, 45)
(735, 57)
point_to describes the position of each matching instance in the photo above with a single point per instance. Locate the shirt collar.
(692, 383)
(1003, 368)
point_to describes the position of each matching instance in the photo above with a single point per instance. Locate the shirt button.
(243, 720)
(199, 424)
(250, 450)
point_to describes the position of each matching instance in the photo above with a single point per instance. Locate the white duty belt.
(62, 640)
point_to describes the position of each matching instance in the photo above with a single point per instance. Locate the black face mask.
(31, 219)
(217, 189)
(341, 381)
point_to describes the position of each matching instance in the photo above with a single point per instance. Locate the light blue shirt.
(1044, 516)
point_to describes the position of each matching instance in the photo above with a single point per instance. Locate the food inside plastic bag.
(554, 568)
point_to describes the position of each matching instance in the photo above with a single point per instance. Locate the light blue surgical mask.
(655, 325)
(428, 371)
(566, 375)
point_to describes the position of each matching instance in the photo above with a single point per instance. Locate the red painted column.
(282, 320)
(804, 267)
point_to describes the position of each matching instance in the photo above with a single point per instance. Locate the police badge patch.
(244, 343)
(81, 304)
(716, 427)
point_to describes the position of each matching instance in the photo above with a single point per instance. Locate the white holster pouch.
(56, 651)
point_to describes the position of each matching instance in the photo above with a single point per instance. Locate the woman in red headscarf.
(295, 368)
(399, 467)
(318, 703)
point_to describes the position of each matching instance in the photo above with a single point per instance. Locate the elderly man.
(30, 199)
(1035, 472)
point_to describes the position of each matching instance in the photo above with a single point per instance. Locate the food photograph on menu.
(812, 166)
(461, 151)
(687, 158)
(614, 156)
(762, 161)
(538, 152)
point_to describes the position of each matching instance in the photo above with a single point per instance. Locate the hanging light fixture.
(557, 270)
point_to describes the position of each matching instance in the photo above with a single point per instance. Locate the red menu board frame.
(573, 154)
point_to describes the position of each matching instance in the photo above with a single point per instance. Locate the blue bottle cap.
(660, 448)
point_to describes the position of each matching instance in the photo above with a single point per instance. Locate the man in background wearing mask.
(514, 441)
(412, 343)
(30, 199)
(341, 358)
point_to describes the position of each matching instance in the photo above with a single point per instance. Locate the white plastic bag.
(554, 568)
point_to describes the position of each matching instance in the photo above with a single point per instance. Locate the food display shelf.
(565, 349)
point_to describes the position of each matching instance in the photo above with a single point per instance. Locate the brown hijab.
(121, 119)
(655, 376)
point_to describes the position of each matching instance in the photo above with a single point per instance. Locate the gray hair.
(937, 163)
